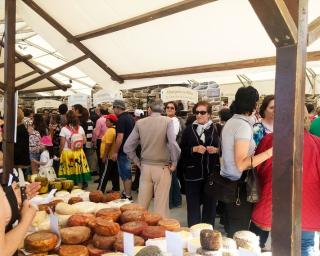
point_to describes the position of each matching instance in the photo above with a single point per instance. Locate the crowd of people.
(171, 155)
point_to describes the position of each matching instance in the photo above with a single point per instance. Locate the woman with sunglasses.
(238, 148)
(199, 157)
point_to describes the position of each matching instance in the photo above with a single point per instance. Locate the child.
(45, 162)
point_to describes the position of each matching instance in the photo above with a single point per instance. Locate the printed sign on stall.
(106, 96)
(179, 93)
(78, 98)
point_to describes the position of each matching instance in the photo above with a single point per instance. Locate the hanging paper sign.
(106, 96)
(78, 98)
(179, 93)
(46, 104)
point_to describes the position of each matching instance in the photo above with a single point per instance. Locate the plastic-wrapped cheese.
(85, 207)
(159, 242)
(63, 219)
(66, 209)
(38, 218)
(185, 236)
(62, 194)
(196, 229)
(194, 244)
(45, 224)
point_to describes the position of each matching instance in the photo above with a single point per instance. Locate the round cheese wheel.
(196, 229)
(74, 200)
(77, 192)
(62, 194)
(194, 244)
(103, 242)
(39, 242)
(131, 206)
(84, 219)
(152, 219)
(75, 235)
(38, 218)
(118, 245)
(85, 207)
(111, 196)
(63, 219)
(96, 196)
(73, 250)
(111, 213)
(106, 227)
(134, 227)
(132, 215)
(93, 251)
(152, 232)
(65, 209)
(169, 224)
(150, 251)
(161, 243)
(185, 237)
(211, 239)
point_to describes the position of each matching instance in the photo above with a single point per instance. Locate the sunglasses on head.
(201, 112)
(170, 107)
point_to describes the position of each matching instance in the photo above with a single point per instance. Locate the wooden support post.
(9, 95)
(288, 139)
(26, 75)
(51, 72)
(17, 60)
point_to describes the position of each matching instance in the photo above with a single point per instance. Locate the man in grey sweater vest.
(159, 157)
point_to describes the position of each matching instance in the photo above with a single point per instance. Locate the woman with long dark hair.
(73, 162)
(238, 148)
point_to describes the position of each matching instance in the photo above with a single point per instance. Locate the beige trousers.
(155, 180)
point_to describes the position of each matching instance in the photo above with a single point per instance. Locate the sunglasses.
(170, 108)
(201, 112)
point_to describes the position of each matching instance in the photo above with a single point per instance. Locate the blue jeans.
(307, 243)
(124, 167)
(175, 198)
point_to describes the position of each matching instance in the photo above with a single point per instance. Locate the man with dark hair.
(124, 127)
(28, 117)
(159, 157)
(63, 109)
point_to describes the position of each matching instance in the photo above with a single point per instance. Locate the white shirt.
(66, 133)
(45, 158)
(176, 125)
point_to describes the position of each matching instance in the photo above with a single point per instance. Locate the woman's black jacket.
(197, 166)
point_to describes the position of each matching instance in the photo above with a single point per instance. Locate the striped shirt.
(88, 129)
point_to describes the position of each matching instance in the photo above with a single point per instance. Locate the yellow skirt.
(74, 165)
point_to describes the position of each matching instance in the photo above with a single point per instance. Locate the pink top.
(100, 129)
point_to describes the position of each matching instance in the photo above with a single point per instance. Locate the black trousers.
(196, 197)
(110, 173)
(263, 234)
(237, 217)
(100, 163)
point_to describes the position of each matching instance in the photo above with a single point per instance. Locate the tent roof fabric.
(216, 32)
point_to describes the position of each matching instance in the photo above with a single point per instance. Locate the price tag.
(128, 244)
(174, 243)
(244, 252)
(54, 226)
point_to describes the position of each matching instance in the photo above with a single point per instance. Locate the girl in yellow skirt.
(73, 162)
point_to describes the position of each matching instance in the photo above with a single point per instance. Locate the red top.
(262, 211)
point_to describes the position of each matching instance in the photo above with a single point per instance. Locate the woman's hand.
(199, 149)
(32, 189)
(212, 150)
(28, 212)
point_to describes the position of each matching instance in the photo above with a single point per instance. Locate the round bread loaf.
(118, 245)
(103, 242)
(111, 196)
(96, 196)
(134, 227)
(106, 227)
(170, 224)
(75, 199)
(132, 207)
(84, 219)
(65, 209)
(111, 213)
(152, 219)
(39, 242)
(152, 232)
(75, 235)
(93, 251)
(210, 239)
(73, 250)
(132, 215)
